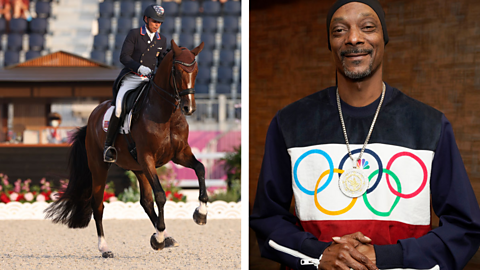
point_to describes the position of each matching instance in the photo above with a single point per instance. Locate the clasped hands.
(351, 251)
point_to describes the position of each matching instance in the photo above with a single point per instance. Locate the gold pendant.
(353, 183)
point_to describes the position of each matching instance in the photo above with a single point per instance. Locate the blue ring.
(379, 162)
(330, 175)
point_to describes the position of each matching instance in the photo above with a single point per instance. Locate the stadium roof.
(59, 67)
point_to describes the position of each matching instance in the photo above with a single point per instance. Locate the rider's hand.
(145, 71)
(349, 251)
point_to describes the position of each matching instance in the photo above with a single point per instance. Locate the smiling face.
(356, 39)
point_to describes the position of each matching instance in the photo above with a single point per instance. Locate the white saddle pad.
(124, 129)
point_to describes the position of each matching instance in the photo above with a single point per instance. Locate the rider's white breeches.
(129, 82)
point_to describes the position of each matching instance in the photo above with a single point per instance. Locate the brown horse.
(160, 132)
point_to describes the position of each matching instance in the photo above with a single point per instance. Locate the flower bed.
(129, 210)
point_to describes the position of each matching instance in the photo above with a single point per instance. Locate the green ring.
(399, 187)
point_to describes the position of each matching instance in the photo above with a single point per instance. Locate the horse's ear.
(198, 49)
(175, 48)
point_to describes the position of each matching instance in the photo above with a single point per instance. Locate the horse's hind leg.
(99, 178)
(146, 200)
(187, 159)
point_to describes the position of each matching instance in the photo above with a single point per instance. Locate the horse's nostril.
(185, 109)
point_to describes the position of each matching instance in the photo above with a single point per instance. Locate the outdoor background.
(433, 56)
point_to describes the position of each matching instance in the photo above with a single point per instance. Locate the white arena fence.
(121, 210)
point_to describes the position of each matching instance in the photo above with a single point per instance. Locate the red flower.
(178, 195)
(107, 195)
(167, 193)
(4, 198)
(20, 197)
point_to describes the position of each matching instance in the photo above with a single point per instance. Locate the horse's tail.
(73, 208)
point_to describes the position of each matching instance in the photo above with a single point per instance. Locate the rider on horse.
(142, 51)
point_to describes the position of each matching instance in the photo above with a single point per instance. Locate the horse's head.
(184, 71)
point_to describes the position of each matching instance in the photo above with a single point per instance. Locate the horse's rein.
(177, 93)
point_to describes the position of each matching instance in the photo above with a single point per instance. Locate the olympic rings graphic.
(297, 163)
(376, 157)
(328, 212)
(330, 172)
(425, 175)
(399, 187)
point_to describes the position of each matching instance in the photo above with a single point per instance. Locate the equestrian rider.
(142, 51)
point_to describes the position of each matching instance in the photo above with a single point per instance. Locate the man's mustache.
(356, 51)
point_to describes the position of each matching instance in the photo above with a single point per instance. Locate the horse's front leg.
(187, 159)
(157, 241)
(146, 200)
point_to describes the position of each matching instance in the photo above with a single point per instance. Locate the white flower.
(29, 196)
(14, 196)
(54, 196)
(40, 198)
(113, 199)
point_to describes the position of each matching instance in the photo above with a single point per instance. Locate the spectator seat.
(211, 8)
(230, 24)
(189, 8)
(18, 26)
(15, 42)
(36, 42)
(232, 8)
(39, 26)
(42, 9)
(32, 54)
(11, 58)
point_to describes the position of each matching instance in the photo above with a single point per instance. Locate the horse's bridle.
(177, 94)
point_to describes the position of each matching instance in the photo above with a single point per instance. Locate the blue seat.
(18, 26)
(42, 9)
(227, 58)
(127, 9)
(168, 25)
(188, 25)
(201, 89)
(145, 4)
(189, 8)
(119, 39)
(36, 42)
(104, 25)
(98, 56)
(100, 42)
(105, 9)
(209, 24)
(203, 76)
(39, 25)
(223, 88)
(230, 24)
(15, 42)
(3, 26)
(32, 54)
(239, 88)
(205, 59)
(124, 25)
(232, 8)
(225, 75)
(208, 40)
(116, 59)
(169, 39)
(211, 8)
(11, 58)
(229, 41)
(171, 8)
(186, 40)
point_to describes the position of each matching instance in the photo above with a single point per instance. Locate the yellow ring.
(325, 211)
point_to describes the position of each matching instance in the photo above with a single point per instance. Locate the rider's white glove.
(143, 70)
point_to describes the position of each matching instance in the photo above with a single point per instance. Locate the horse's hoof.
(154, 243)
(199, 218)
(170, 242)
(107, 254)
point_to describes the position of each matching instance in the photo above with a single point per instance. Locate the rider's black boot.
(109, 152)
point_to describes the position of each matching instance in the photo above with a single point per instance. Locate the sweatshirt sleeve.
(270, 218)
(455, 241)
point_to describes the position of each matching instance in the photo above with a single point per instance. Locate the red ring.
(425, 174)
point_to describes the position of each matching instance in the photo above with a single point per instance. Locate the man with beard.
(365, 164)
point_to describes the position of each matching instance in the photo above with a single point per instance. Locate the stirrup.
(113, 159)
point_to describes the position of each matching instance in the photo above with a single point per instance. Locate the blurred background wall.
(433, 56)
